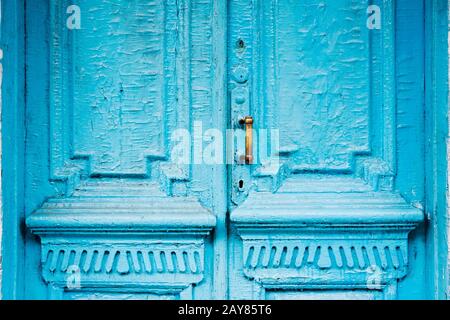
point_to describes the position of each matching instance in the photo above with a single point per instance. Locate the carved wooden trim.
(113, 235)
(322, 240)
(102, 263)
(326, 254)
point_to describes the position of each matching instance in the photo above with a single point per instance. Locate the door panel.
(120, 94)
(322, 79)
(316, 218)
(117, 213)
(114, 94)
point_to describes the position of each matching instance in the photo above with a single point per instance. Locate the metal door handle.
(248, 122)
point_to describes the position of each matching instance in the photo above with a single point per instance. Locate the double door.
(188, 149)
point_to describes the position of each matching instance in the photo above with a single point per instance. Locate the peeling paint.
(317, 90)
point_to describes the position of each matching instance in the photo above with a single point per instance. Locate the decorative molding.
(375, 172)
(310, 238)
(326, 254)
(120, 234)
(374, 160)
(119, 258)
(67, 164)
(146, 265)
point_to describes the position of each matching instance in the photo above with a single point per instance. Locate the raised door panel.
(318, 76)
(317, 86)
(119, 88)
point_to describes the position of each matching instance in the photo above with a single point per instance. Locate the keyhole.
(241, 184)
(240, 44)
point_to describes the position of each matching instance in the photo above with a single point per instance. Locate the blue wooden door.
(242, 149)
(335, 186)
(122, 207)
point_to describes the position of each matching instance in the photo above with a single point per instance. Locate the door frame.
(12, 42)
(436, 132)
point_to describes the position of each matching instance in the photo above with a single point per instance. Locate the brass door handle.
(248, 122)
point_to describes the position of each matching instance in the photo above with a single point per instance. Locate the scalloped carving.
(325, 233)
(122, 234)
(296, 254)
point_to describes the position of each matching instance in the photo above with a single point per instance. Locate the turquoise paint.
(13, 104)
(436, 127)
(362, 151)
(173, 180)
(410, 125)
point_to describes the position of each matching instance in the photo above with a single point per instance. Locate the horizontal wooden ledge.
(141, 215)
(284, 210)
